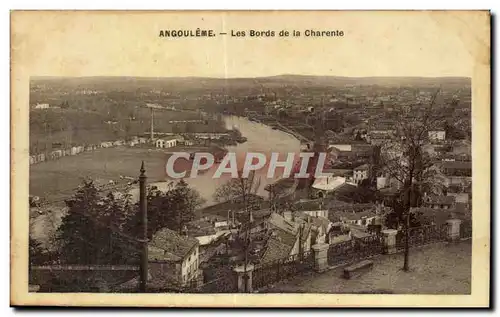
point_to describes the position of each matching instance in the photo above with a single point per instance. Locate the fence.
(219, 280)
(422, 235)
(282, 269)
(355, 249)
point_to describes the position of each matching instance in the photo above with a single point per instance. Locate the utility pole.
(143, 205)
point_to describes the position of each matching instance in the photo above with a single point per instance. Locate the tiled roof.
(280, 222)
(284, 237)
(173, 244)
(275, 250)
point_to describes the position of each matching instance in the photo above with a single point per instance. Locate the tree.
(167, 209)
(90, 231)
(240, 189)
(36, 254)
(404, 159)
(184, 201)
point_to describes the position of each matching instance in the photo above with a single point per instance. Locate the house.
(207, 230)
(328, 184)
(320, 226)
(437, 135)
(275, 249)
(460, 197)
(165, 143)
(284, 187)
(173, 258)
(457, 168)
(294, 234)
(103, 144)
(362, 151)
(438, 202)
(362, 218)
(361, 173)
(342, 155)
(313, 208)
(187, 142)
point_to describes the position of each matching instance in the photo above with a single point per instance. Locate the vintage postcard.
(250, 159)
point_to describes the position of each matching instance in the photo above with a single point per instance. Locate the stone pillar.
(244, 278)
(453, 229)
(320, 256)
(390, 241)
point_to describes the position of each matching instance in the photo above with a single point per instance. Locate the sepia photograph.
(314, 156)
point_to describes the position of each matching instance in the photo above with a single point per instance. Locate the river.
(260, 138)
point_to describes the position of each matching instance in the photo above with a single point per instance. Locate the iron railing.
(355, 249)
(219, 280)
(420, 236)
(272, 272)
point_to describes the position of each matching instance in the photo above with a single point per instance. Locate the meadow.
(54, 180)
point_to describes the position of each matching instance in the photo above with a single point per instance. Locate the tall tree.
(403, 156)
(90, 231)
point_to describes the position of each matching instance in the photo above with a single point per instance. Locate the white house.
(361, 173)
(166, 142)
(173, 258)
(328, 183)
(437, 135)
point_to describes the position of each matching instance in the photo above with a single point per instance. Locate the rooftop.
(173, 246)
(364, 167)
(440, 200)
(275, 250)
(328, 183)
(283, 186)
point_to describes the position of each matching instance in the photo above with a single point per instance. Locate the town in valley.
(394, 214)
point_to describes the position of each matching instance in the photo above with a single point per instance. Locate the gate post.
(390, 241)
(320, 256)
(244, 277)
(453, 229)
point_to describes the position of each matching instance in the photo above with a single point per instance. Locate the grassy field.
(55, 179)
(78, 127)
